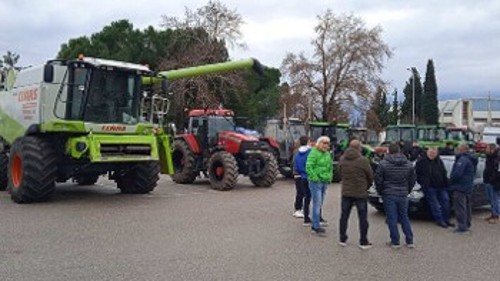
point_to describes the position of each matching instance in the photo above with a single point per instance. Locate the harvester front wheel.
(269, 166)
(140, 179)
(32, 170)
(222, 171)
(4, 165)
(183, 160)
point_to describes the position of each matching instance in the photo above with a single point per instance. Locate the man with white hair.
(319, 167)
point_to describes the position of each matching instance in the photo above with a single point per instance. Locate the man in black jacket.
(431, 175)
(394, 179)
(491, 181)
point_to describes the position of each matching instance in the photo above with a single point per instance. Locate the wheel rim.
(219, 171)
(16, 170)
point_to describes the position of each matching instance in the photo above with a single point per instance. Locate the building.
(475, 113)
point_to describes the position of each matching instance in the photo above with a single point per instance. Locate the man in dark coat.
(491, 180)
(357, 177)
(431, 175)
(394, 179)
(461, 185)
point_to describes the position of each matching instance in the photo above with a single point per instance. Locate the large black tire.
(140, 179)
(32, 170)
(184, 162)
(86, 179)
(222, 171)
(270, 169)
(4, 165)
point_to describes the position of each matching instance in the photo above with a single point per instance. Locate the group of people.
(394, 179)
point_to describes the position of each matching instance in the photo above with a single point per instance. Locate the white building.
(475, 113)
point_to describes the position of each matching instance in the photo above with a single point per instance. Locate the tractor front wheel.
(140, 179)
(184, 162)
(222, 171)
(267, 163)
(32, 170)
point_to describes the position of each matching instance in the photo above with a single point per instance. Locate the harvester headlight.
(80, 146)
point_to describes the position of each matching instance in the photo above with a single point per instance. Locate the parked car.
(418, 204)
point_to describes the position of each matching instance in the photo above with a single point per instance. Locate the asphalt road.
(189, 232)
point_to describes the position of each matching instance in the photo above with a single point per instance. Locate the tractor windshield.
(220, 123)
(406, 134)
(104, 96)
(392, 135)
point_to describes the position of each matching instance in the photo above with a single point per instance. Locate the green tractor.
(80, 119)
(431, 136)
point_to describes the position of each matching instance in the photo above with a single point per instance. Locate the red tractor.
(212, 146)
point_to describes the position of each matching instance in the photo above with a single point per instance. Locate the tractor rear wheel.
(270, 170)
(86, 179)
(222, 171)
(4, 165)
(32, 170)
(140, 179)
(184, 162)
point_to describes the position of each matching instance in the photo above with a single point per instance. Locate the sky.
(461, 36)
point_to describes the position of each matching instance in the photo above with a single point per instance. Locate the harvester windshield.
(103, 95)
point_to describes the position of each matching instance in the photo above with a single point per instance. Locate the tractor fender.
(191, 141)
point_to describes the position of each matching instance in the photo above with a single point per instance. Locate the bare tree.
(344, 70)
(215, 18)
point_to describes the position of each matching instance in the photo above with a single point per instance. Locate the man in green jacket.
(357, 177)
(319, 167)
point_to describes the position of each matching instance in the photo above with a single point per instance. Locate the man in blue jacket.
(302, 195)
(461, 185)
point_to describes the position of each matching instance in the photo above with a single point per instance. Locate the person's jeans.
(318, 191)
(396, 210)
(493, 196)
(362, 207)
(299, 194)
(463, 210)
(439, 203)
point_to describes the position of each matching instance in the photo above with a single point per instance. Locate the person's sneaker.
(450, 224)
(410, 245)
(461, 231)
(307, 222)
(394, 246)
(342, 243)
(318, 230)
(323, 222)
(298, 214)
(488, 218)
(442, 224)
(365, 246)
(493, 220)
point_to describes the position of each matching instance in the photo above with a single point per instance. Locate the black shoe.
(442, 224)
(307, 222)
(318, 230)
(450, 224)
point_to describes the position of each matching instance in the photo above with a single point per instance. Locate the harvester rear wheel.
(4, 165)
(140, 179)
(183, 160)
(222, 171)
(32, 170)
(86, 180)
(270, 167)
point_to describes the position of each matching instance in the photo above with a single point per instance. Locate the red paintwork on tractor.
(192, 142)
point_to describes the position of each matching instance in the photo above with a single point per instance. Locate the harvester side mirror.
(164, 86)
(48, 73)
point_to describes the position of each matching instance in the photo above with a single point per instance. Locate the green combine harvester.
(80, 119)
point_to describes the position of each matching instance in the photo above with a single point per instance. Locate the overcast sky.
(461, 36)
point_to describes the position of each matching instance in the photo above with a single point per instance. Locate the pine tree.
(407, 105)
(394, 114)
(430, 110)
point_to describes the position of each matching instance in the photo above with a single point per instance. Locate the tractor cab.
(400, 133)
(431, 136)
(205, 125)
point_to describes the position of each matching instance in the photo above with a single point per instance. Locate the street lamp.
(412, 93)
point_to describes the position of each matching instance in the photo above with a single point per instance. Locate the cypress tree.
(430, 110)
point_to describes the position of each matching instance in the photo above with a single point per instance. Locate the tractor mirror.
(48, 73)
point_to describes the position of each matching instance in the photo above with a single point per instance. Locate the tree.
(10, 60)
(345, 66)
(377, 117)
(407, 105)
(394, 114)
(430, 110)
(219, 21)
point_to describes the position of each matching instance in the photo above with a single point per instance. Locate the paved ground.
(189, 232)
